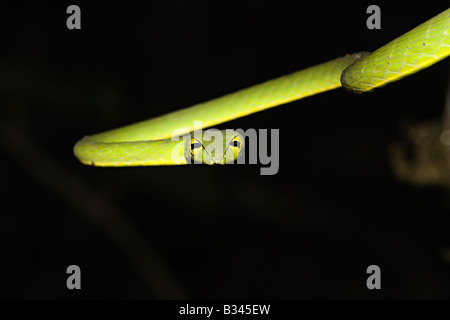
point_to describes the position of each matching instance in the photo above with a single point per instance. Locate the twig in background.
(91, 204)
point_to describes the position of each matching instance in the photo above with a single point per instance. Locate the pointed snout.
(217, 157)
(220, 160)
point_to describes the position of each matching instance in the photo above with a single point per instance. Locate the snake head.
(214, 146)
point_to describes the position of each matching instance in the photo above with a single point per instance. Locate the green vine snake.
(157, 141)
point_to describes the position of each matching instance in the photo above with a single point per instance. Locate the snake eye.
(195, 146)
(236, 143)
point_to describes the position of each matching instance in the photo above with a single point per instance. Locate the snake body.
(174, 138)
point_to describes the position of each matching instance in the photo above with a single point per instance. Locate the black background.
(310, 231)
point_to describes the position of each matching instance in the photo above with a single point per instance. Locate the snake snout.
(218, 161)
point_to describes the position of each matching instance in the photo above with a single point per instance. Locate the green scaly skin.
(149, 142)
(415, 50)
